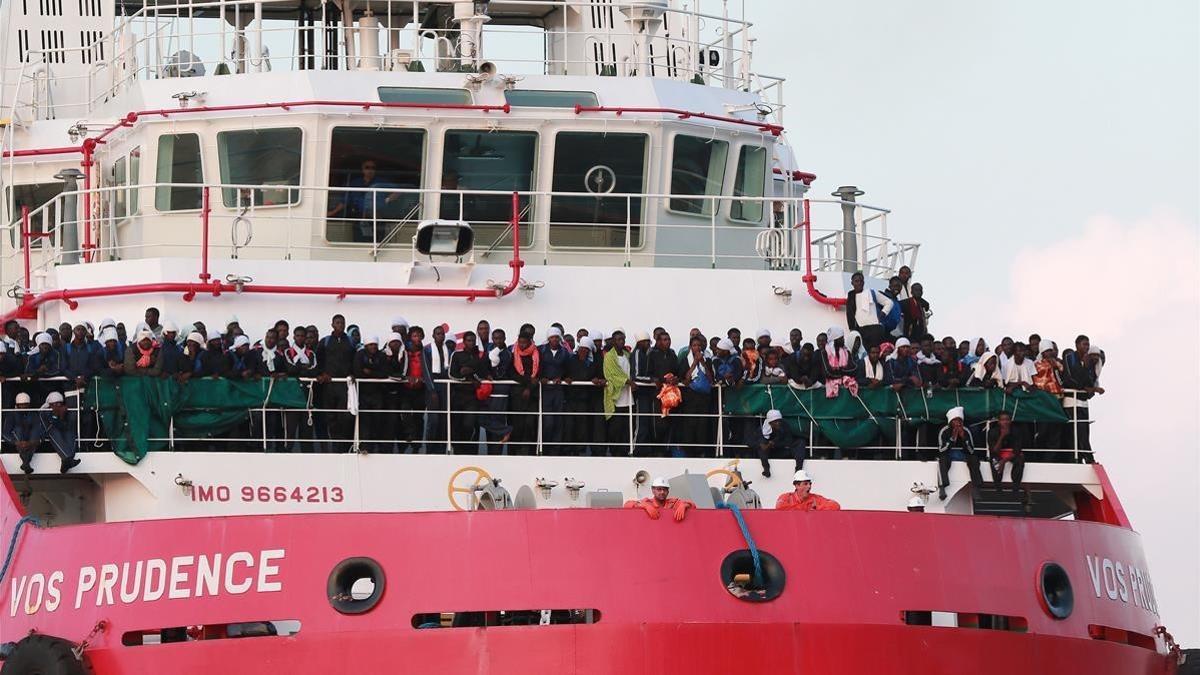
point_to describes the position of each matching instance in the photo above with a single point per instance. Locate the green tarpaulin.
(854, 421)
(136, 409)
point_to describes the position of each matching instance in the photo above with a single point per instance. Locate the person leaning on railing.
(144, 357)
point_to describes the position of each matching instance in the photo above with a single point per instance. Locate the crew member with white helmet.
(954, 444)
(916, 504)
(654, 506)
(802, 498)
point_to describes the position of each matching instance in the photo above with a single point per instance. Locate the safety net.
(137, 409)
(850, 421)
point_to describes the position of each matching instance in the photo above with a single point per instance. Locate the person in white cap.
(916, 504)
(554, 358)
(144, 357)
(46, 361)
(400, 325)
(955, 445)
(238, 362)
(371, 363)
(776, 440)
(905, 372)
(661, 501)
(763, 337)
(23, 430)
(643, 393)
(58, 428)
(802, 498)
(583, 427)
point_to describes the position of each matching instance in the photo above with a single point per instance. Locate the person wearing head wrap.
(554, 358)
(370, 363)
(955, 445)
(214, 362)
(583, 427)
(986, 372)
(905, 372)
(144, 357)
(1048, 369)
(774, 440)
(854, 345)
(975, 350)
(838, 365)
(762, 340)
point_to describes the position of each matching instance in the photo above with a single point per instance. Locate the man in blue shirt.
(361, 206)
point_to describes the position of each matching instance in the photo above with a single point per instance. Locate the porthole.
(738, 577)
(1054, 590)
(355, 585)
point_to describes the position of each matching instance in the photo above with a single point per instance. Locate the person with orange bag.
(661, 501)
(802, 498)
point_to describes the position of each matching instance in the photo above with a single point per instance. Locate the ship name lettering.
(1116, 580)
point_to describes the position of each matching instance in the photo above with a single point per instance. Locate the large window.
(748, 182)
(545, 98)
(599, 163)
(33, 196)
(382, 159)
(268, 157)
(178, 164)
(501, 161)
(697, 169)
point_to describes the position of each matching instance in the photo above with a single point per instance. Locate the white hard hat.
(916, 502)
(660, 482)
(640, 336)
(22, 398)
(801, 477)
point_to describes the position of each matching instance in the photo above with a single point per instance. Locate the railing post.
(1075, 426)
(713, 237)
(25, 237)
(449, 426)
(632, 408)
(205, 210)
(720, 421)
(539, 419)
(628, 229)
(355, 444)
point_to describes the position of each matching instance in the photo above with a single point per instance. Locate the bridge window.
(549, 99)
(126, 171)
(369, 157)
(424, 95)
(179, 165)
(697, 168)
(260, 157)
(501, 162)
(599, 163)
(749, 180)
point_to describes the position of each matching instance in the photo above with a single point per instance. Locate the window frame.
(530, 223)
(199, 186)
(707, 199)
(647, 150)
(299, 178)
(733, 186)
(426, 147)
(14, 214)
(470, 96)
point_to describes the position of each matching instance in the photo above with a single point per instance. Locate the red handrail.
(190, 290)
(810, 279)
(773, 129)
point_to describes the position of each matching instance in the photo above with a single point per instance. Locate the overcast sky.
(1047, 157)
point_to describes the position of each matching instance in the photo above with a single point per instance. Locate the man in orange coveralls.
(803, 498)
(660, 501)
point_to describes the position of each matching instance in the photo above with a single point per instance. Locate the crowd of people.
(581, 392)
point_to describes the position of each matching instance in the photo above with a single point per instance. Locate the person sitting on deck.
(802, 498)
(775, 438)
(954, 444)
(23, 430)
(57, 425)
(654, 506)
(1004, 446)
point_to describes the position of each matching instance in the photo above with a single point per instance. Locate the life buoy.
(44, 655)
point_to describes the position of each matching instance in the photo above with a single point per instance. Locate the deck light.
(450, 238)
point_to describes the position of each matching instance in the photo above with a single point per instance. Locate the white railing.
(285, 230)
(149, 43)
(722, 433)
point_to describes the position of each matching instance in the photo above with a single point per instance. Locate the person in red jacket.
(802, 498)
(654, 506)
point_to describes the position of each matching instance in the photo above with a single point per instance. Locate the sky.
(1046, 155)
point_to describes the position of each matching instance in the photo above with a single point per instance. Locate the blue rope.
(12, 543)
(741, 521)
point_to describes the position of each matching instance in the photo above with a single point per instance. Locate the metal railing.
(721, 434)
(174, 40)
(650, 234)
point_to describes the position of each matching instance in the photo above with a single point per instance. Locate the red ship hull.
(851, 576)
